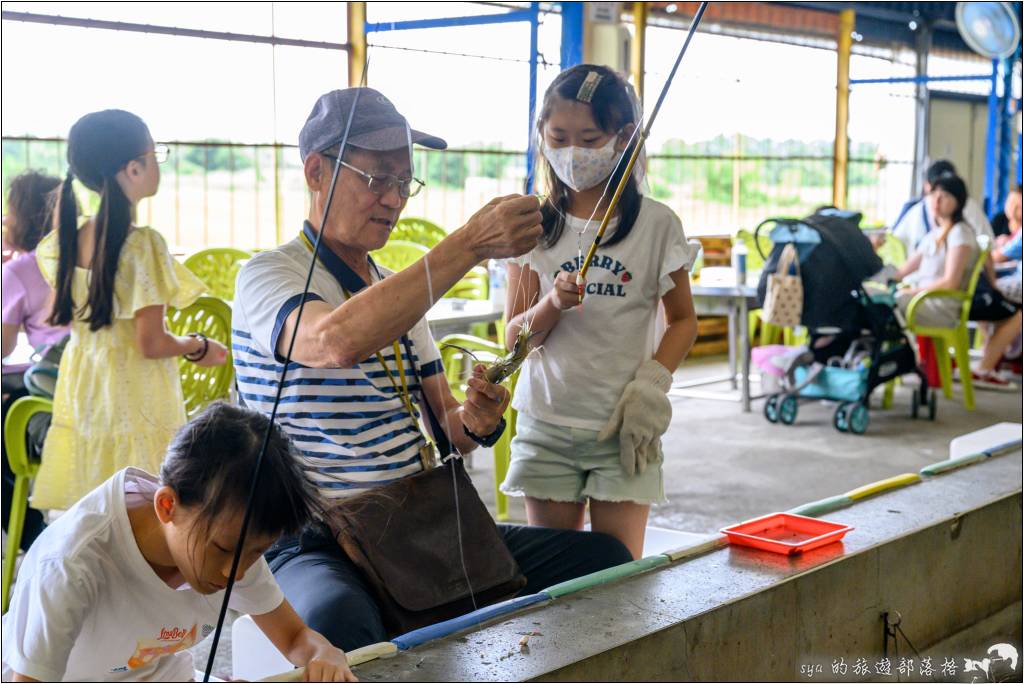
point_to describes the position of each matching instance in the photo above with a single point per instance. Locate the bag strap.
(787, 259)
(441, 441)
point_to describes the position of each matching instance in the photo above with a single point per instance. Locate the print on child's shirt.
(615, 267)
(171, 640)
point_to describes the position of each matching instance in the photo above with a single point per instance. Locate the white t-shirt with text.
(580, 371)
(87, 606)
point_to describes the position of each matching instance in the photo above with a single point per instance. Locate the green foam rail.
(822, 506)
(952, 464)
(605, 576)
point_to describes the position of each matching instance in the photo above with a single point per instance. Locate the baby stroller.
(857, 341)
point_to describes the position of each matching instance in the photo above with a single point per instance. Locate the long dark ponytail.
(612, 108)
(67, 238)
(99, 146)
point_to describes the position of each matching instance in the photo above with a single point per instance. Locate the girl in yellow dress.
(118, 399)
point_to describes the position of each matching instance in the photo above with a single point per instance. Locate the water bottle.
(739, 263)
(498, 283)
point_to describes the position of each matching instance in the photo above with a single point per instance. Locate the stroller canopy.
(835, 258)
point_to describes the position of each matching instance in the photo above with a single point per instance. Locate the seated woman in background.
(944, 260)
(26, 304)
(1007, 256)
(1006, 224)
(118, 399)
(1007, 260)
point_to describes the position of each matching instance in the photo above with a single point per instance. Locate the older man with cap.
(362, 329)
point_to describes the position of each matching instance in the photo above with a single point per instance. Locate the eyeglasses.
(381, 183)
(160, 153)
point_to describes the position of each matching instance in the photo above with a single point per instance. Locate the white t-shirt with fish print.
(88, 607)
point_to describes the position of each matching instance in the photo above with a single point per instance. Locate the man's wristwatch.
(491, 439)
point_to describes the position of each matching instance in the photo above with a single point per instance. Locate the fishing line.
(236, 560)
(451, 441)
(447, 425)
(634, 155)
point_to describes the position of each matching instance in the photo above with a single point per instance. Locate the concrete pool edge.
(611, 624)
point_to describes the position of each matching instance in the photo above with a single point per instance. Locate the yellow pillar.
(842, 145)
(639, 48)
(356, 43)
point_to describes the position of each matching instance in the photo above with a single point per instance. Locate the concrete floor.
(724, 466)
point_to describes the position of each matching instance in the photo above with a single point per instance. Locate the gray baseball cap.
(376, 124)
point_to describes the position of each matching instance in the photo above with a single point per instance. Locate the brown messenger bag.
(404, 536)
(417, 539)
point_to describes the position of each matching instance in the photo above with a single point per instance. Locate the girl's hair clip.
(588, 87)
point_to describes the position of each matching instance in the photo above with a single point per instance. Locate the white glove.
(641, 417)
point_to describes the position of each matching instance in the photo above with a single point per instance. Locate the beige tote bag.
(784, 297)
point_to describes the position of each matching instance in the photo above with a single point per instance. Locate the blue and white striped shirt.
(350, 425)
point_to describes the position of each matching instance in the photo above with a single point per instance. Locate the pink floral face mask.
(581, 168)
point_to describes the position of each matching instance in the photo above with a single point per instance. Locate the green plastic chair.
(473, 285)
(202, 386)
(15, 428)
(892, 252)
(457, 366)
(957, 337)
(218, 267)
(397, 255)
(418, 230)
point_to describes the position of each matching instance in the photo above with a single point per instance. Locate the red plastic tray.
(785, 533)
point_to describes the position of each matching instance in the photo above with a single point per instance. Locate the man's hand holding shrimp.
(485, 404)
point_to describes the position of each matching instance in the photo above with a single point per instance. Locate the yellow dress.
(113, 407)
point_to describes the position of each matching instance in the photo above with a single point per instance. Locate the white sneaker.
(992, 381)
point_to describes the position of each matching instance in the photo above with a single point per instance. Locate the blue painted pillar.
(1005, 136)
(530, 152)
(572, 34)
(990, 141)
(1020, 151)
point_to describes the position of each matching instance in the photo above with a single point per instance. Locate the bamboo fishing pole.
(384, 649)
(644, 133)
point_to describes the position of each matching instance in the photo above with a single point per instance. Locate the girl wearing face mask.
(592, 401)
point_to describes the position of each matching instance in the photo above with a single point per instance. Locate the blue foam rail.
(420, 636)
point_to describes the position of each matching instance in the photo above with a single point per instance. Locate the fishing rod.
(236, 560)
(638, 146)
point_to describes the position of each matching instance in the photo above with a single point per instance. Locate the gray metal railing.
(254, 195)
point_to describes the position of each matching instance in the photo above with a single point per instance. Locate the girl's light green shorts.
(559, 463)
